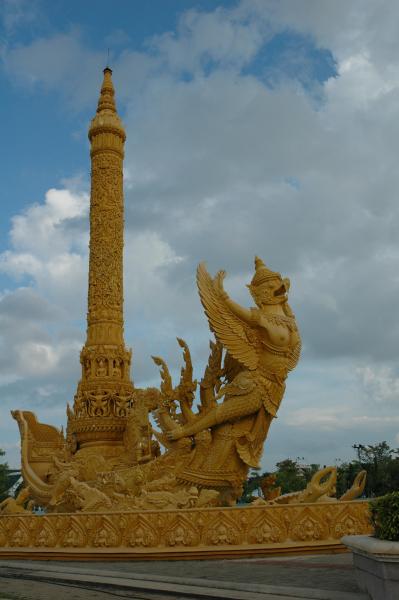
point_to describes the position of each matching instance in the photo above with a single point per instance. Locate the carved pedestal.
(190, 533)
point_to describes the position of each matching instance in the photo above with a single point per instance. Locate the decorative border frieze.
(197, 532)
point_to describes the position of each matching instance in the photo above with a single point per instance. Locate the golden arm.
(229, 411)
(245, 314)
(242, 313)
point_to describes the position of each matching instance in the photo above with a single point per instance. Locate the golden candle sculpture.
(114, 481)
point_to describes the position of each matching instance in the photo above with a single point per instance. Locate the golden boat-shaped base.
(183, 534)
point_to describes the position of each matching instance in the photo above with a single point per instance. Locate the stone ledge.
(367, 544)
(200, 553)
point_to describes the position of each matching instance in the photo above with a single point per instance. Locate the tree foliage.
(4, 480)
(8, 477)
(291, 476)
(385, 516)
(382, 465)
(251, 486)
(380, 461)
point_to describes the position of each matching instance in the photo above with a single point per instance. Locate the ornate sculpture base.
(183, 534)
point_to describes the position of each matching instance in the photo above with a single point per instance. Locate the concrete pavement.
(322, 577)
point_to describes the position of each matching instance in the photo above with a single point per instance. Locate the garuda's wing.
(235, 335)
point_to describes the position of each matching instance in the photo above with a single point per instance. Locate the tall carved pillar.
(105, 391)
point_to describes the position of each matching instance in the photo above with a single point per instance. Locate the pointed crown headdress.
(262, 273)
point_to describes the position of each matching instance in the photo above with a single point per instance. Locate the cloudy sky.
(254, 127)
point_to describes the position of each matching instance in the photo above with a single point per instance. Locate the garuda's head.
(268, 287)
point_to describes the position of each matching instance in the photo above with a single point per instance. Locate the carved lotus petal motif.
(350, 521)
(142, 535)
(106, 535)
(3, 536)
(222, 531)
(45, 536)
(75, 535)
(21, 535)
(309, 526)
(268, 528)
(182, 533)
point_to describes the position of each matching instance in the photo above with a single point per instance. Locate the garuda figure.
(262, 345)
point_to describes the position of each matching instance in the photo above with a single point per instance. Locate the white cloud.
(148, 258)
(48, 246)
(36, 358)
(15, 13)
(381, 384)
(202, 37)
(38, 227)
(326, 418)
(47, 259)
(59, 62)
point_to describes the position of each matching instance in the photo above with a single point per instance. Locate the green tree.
(3, 477)
(290, 476)
(309, 470)
(382, 465)
(380, 461)
(346, 473)
(8, 477)
(251, 486)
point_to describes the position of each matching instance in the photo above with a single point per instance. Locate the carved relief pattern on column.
(106, 233)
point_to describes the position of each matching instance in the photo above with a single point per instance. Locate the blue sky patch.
(291, 55)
